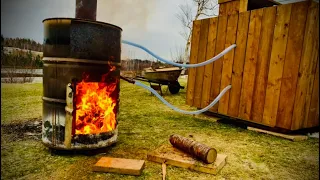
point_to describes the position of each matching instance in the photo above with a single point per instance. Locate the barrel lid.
(83, 20)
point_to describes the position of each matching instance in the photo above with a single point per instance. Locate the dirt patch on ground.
(19, 131)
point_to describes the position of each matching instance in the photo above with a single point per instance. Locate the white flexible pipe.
(182, 65)
(183, 111)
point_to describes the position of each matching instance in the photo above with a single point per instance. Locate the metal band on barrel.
(74, 60)
(54, 100)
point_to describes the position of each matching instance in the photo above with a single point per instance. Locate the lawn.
(145, 124)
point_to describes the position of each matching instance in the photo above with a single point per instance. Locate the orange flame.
(95, 107)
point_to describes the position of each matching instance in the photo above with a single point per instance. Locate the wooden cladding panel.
(229, 8)
(201, 57)
(314, 59)
(238, 63)
(193, 59)
(291, 64)
(273, 70)
(217, 65)
(308, 61)
(262, 66)
(278, 52)
(313, 116)
(227, 62)
(250, 64)
(208, 69)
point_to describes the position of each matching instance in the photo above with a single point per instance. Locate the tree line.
(19, 58)
(22, 43)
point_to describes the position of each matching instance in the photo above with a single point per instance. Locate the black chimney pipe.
(86, 9)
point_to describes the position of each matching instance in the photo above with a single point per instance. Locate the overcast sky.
(151, 23)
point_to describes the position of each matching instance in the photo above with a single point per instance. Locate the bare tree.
(177, 55)
(206, 8)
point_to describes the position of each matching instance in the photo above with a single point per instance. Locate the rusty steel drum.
(74, 48)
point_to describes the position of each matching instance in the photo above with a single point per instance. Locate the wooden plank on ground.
(291, 64)
(228, 62)
(250, 64)
(313, 119)
(286, 136)
(238, 63)
(201, 57)
(193, 60)
(278, 53)
(307, 67)
(217, 65)
(175, 157)
(263, 59)
(119, 165)
(211, 47)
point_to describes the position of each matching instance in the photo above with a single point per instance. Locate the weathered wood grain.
(201, 57)
(278, 52)
(193, 59)
(119, 165)
(291, 64)
(250, 64)
(238, 63)
(307, 66)
(217, 65)
(262, 67)
(228, 62)
(211, 47)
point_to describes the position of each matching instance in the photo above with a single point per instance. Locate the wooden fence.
(273, 70)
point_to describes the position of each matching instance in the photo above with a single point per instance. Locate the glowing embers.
(95, 107)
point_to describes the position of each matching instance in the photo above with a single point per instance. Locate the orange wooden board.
(119, 165)
(172, 156)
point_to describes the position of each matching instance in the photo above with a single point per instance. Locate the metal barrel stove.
(78, 50)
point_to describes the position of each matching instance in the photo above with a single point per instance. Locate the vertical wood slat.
(291, 64)
(278, 51)
(211, 47)
(313, 62)
(193, 60)
(313, 118)
(243, 5)
(263, 59)
(238, 63)
(250, 63)
(229, 8)
(217, 65)
(227, 62)
(201, 57)
(222, 9)
(310, 50)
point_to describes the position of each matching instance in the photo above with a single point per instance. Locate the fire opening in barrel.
(95, 107)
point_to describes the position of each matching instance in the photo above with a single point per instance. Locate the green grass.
(20, 102)
(145, 124)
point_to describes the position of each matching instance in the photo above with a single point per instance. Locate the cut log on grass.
(201, 151)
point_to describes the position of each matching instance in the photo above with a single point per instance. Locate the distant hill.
(21, 43)
(7, 50)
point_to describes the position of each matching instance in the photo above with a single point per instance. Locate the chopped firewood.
(164, 171)
(201, 151)
(175, 157)
(119, 165)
